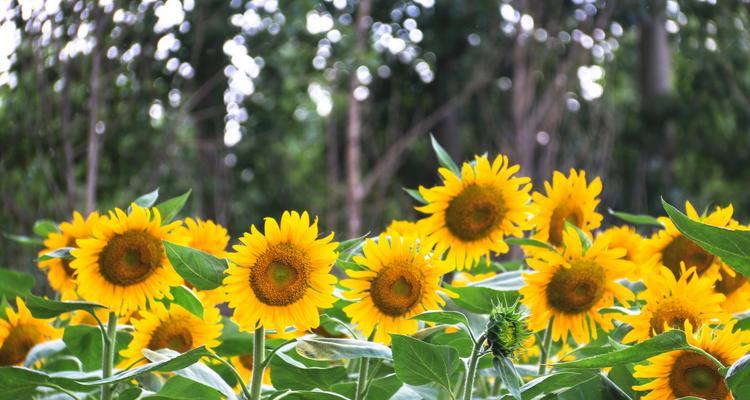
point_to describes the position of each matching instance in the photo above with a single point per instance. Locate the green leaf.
(186, 298)
(350, 245)
(198, 371)
(85, 342)
(131, 393)
(286, 375)
(233, 341)
(420, 363)
(320, 348)
(667, 341)
(307, 395)
(62, 252)
(443, 317)
(27, 240)
(46, 308)
(529, 242)
(21, 383)
(509, 376)
(181, 388)
(44, 227)
(170, 208)
(381, 388)
(635, 219)
(480, 297)
(147, 200)
(738, 378)
(202, 270)
(732, 246)
(168, 364)
(583, 236)
(43, 351)
(553, 383)
(414, 193)
(444, 158)
(13, 283)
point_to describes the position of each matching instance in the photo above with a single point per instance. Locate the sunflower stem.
(236, 374)
(108, 354)
(473, 361)
(545, 350)
(364, 366)
(259, 346)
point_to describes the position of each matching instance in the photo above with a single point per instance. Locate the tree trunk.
(93, 152)
(332, 167)
(66, 133)
(354, 189)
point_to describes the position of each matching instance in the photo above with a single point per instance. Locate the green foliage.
(635, 219)
(170, 208)
(317, 348)
(420, 363)
(202, 270)
(46, 308)
(187, 299)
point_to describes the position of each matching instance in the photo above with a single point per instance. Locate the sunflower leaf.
(443, 317)
(738, 378)
(202, 270)
(44, 227)
(45, 308)
(414, 193)
(512, 381)
(420, 363)
(187, 299)
(287, 373)
(14, 283)
(26, 240)
(169, 209)
(635, 219)
(662, 343)
(328, 349)
(178, 388)
(732, 246)
(444, 158)
(529, 242)
(147, 200)
(62, 252)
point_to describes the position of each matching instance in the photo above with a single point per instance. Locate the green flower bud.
(506, 330)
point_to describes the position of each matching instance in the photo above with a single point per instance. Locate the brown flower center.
(695, 375)
(16, 346)
(172, 334)
(247, 361)
(682, 249)
(562, 213)
(397, 288)
(674, 314)
(130, 258)
(576, 289)
(729, 284)
(281, 275)
(475, 212)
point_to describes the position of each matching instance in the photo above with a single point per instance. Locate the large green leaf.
(202, 270)
(170, 208)
(197, 371)
(21, 383)
(85, 342)
(635, 219)
(320, 348)
(44, 227)
(14, 283)
(444, 158)
(147, 200)
(553, 383)
(732, 246)
(381, 388)
(287, 373)
(420, 363)
(509, 375)
(481, 297)
(667, 341)
(738, 378)
(187, 299)
(46, 308)
(181, 388)
(307, 395)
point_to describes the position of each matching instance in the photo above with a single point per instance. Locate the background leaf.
(44, 227)
(170, 208)
(13, 283)
(147, 200)
(443, 157)
(635, 219)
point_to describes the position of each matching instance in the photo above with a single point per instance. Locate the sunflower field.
(504, 289)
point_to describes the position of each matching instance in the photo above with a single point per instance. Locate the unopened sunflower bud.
(506, 330)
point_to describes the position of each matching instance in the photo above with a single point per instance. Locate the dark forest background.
(262, 106)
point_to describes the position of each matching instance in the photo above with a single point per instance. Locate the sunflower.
(571, 287)
(568, 199)
(671, 302)
(470, 214)
(404, 228)
(244, 366)
(401, 279)
(735, 288)
(20, 332)
(211, 238)
(124, 266)
(281, 277)
(59, 272)
(461, 279)
(172, 327)
(684, 373)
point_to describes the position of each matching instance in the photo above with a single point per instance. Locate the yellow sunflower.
(671, 302)
(461, 279)
(281, 277)
(172, 327)
(472, 213)
(684, 373)
(735, 288)
(568, 198)
(124, 266)
(401, 280)
(571, 287)
(404, 228)
(212, 238)
(244, 366)
(59, 272)
(20, 332)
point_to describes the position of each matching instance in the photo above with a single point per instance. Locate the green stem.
(259, 352)
(473, 361)
(61, 389)
(364, 366)
(273, 352)
(545, 350)
(108, 354)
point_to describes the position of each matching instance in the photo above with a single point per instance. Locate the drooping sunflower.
(20, 332)
(212, 238)
(471, 214)
(124, 266)
(59, 272)
(401, 279)
(671, 302)
(281, 277)
(172, 327)
(568, 198)
(684, 373)
(571, 286)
